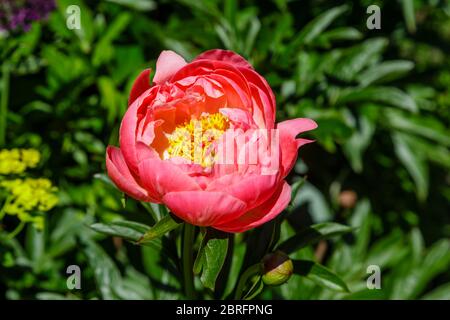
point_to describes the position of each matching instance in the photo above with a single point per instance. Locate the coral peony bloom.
(202, 140)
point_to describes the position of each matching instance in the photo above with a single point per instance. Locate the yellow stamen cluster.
(194, 140)
(27, 197)
(16, 161)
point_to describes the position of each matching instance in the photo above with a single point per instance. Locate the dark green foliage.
(380, 97)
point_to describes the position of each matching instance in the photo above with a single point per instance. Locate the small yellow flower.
(16, 161)
(27, 197)
(31, 157)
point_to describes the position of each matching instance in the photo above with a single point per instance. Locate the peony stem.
(187, 256)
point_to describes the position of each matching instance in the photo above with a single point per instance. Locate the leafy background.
(380, 164)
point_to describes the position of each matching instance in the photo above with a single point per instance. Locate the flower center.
(195, 140)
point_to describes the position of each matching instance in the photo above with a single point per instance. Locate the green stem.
(187, 256)
(16, 231)
(4, 104)
(3, 209)
(248, 274)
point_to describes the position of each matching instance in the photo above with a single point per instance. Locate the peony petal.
(226, 56)
(261, 214)
(140, 85)
(160, 177)
(263, 94)
(129, 126)
(145, 152)
(253, 190)
(288, 130)
(202, 208)
(120, 174)
(127, 135)
(167, 65)
(233, 83)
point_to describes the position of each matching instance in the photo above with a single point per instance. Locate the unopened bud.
(278, 268)
(347, 199)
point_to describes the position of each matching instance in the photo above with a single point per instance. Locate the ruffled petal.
(261, 214)
(226, 56)
(140, 85)
(262, 94)
(160, 177)
(167, 65)
(288, 130)
(128, 131)
(202, 208)
(253, 190)
(120, 174)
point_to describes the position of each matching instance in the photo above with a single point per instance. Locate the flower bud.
(278, 268)
(347, 199)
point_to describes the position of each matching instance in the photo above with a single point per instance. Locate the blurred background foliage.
(380, 164)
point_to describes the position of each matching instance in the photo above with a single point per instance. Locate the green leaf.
(317, 204)
(339, 34)
(411, 282)
(313, 234)
(426, 127)
(105, 179)
(358, 142)
(353, 60)
(440, 293)
(166, 224)
(246, 277)
(361, 220)
(295, 187)
(385, 71)
(129, 230)
(255, 289)
(320, 275)
(389, 95)
(409, 15)
(388, 251)
(211, 257)
(314, 28)
(414, 162)
(141, 5)
(107, 275)
(104, 51)
(35, 246)
(417, 246)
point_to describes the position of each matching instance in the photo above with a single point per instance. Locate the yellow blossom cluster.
(16, 161)
(29, 196)
(25, 198)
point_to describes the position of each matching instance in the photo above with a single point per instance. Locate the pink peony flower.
(202, 140)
